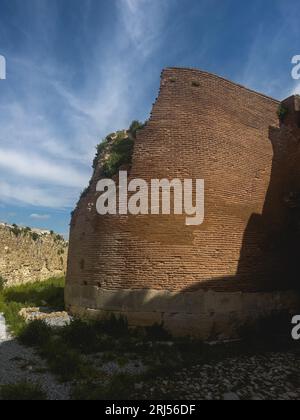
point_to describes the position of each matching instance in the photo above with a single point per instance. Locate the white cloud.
(40, 216)
(34, 196)
(37, 167)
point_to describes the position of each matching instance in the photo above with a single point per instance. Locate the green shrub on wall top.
(117, 150)
(114, 152)
(282, 112)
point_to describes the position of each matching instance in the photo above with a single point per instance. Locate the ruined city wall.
(201, 127)
(30, 255)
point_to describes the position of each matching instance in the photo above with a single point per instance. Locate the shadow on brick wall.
(270, 257)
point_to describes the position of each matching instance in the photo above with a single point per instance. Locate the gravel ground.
(273, 376)
(270, 376)
(19, 364)
(136, 367)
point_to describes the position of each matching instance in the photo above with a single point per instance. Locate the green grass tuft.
(65, 362)
(82, 336)
(48, 293)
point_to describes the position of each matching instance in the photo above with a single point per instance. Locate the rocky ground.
(269, 376)
(21, 364)
(273, 376)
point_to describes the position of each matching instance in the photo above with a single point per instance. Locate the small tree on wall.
(282, 112)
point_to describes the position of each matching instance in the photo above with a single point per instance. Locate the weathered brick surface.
(203, 127)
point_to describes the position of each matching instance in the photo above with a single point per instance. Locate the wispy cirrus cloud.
(268, 66)
(36, 167)
(49, 197)
(53, 114)
(144, 21)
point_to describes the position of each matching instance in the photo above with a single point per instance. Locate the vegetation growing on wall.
(282, 112)
(195, 83)
(27, 231)
(24, 231)
(59, 238)
(16, 230)
(116, 150)
(113, 153)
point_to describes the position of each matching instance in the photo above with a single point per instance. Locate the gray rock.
(231, 396)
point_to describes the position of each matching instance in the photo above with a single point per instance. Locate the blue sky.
(79, 69)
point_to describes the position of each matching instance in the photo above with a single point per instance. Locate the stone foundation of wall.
(207, 315)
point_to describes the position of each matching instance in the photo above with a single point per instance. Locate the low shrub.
(114, 326)
(23, 391)
(157, 332)
(82, 336)
(35, 236)
(120, 155)
(36, 334)
(65, 362)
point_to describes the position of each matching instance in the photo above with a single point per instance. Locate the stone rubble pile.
(53, 319)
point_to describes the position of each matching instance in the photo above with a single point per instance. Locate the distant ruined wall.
(27, 256)
(204, 127)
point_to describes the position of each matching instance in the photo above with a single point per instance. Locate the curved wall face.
(195, 279)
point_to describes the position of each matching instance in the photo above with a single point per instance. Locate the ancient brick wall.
(27, 256)
(201, 127)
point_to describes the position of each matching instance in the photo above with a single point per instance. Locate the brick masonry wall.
(23, 259)
(201, 126)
